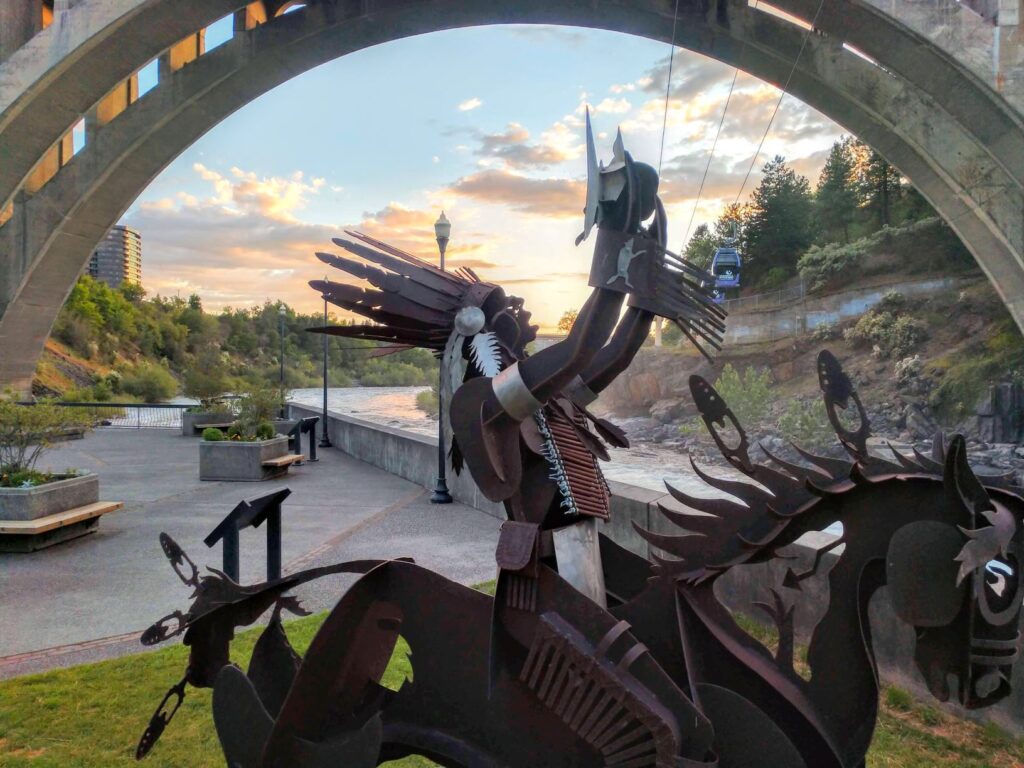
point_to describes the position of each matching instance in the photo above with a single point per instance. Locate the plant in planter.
(26, 432)
(251, 449)
(207, 383)
(29, 497)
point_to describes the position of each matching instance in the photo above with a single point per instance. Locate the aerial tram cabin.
(725, 268)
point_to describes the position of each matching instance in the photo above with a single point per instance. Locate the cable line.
(707, 167)
(796, 61)
(668, 84)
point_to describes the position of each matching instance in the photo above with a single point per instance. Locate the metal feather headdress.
(412, 302)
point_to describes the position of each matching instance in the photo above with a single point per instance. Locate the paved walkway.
(88, 599)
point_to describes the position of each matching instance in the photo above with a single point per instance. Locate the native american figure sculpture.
(589, 655)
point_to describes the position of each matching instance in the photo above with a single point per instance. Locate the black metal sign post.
(246, 514)
(306, 425)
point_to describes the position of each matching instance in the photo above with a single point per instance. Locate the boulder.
(919, 423)
(667, 411)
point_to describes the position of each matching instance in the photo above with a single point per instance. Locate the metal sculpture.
(589, 655)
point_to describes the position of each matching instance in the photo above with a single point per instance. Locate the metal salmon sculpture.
(589, 655)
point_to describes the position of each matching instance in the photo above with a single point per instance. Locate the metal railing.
(130, 415)
(769, 300)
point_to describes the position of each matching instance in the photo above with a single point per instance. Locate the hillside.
(918, 364)
(119, 344)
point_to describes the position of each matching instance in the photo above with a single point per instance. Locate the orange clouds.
(551, 197)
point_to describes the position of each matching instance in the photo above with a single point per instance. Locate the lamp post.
(442, 231)
(325, 438)
(281, 312)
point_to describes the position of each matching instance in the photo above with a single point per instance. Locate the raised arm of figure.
(614, 358)
(550, 370)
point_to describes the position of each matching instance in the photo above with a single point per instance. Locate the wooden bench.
(284, 461)
(32, 535)
(224, 425)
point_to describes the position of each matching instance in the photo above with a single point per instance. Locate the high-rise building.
(118, 257)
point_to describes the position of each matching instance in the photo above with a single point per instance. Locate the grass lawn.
(91, 716)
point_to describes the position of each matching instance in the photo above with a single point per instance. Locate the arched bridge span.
(957, 140)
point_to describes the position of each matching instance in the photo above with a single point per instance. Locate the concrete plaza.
(89, 598)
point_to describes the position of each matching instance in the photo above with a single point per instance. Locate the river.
(645, 465)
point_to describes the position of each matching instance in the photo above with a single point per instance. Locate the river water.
(644, 465)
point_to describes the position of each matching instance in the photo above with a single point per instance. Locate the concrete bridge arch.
(951, 135)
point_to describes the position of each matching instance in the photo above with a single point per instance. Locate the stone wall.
(414, 457)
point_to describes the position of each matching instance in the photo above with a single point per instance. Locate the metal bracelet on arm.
(515, 397)
(579, 392)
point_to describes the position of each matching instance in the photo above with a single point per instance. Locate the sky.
(486, 124)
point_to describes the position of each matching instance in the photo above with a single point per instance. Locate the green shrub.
(150, 382)
(257, 405)
(892, 334)
(27, 431)
(748, 395)
(265, 431)
(824, 266)
(893, 301)
(213, 435)
(394, 374)
(235, 431)
(206, 381)
(825, 332)
(806, 424)
(773, 279)
(427, 401)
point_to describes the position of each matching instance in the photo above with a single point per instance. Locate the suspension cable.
(785, 89)
(668, 84)
(711, 154)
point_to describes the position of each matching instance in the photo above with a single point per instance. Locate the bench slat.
(59, 520)
(284, 461)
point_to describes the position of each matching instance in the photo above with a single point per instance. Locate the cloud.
(244, 192)
(512, 149)
(614, 106)
(550, 197)
(470, 104)
(545, 279)
(243, 241)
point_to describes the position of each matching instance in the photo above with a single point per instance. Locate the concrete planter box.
(189, 421)
(283, 426)
(49, 499)
(237, 461)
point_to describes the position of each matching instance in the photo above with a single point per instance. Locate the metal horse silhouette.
(589, 655)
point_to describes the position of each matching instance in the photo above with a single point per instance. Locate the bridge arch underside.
(957, 141)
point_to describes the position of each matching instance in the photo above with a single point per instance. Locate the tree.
(835, 202)
(565, 322)
(733, 224)
(779, 228)
(878, 183)
(701, 247)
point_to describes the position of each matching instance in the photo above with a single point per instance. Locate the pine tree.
(835, 201)
(701, 247)
(780, 226)
(879, 185)
(733, 223)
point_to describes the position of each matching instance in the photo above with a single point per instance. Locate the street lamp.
(281, 312)
(442, 231)
(325, 438)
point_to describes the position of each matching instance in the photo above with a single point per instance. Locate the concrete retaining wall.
(414, 457)
(805, 315)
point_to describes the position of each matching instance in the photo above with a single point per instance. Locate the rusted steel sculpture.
(589, 655)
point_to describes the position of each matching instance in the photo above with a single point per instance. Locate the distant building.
(118, 257)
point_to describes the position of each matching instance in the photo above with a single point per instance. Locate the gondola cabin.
(725, 266)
